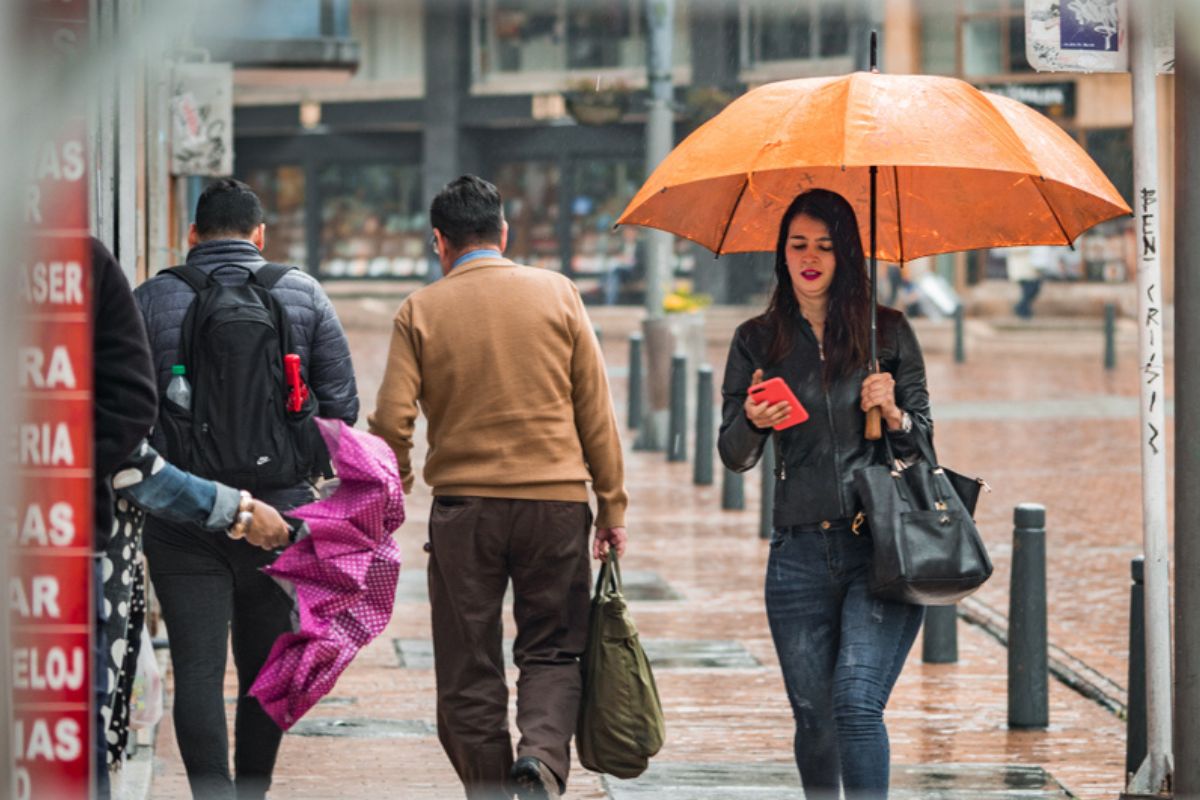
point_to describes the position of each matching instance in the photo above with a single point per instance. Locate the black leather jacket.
(816, 460)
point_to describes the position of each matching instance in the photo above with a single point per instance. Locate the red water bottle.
(297, 391)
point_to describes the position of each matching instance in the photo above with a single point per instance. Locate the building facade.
(545, 97)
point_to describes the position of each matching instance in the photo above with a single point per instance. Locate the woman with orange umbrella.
(841, 649)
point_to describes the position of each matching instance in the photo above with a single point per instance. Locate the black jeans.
(208, 585)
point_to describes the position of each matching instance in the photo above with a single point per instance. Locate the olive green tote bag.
(620, 717)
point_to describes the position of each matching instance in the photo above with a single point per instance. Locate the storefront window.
(522, 36)
(991, 37)
(602, 190)
(373, 222)
(938, 51)
(604, 33)
(281, 190)
(794, 30)
(550, 36)
(530, 191)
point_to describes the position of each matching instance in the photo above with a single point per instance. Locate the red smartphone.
(773, 391)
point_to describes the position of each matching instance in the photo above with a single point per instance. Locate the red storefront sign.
(49, 530)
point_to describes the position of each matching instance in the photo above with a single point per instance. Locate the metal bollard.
(1028, 668)
(702, 474)
(767, 509)
(939, 636)
(634, 415)
(677, 423)
(733, 491)
(1135, 710)
(1110, 336)
(960, 345)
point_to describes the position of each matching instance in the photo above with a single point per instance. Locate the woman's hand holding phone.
(778, 408)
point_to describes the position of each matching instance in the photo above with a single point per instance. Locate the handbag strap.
(610, 574)
(925, 448)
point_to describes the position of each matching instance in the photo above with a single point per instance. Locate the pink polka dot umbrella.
(342, 575)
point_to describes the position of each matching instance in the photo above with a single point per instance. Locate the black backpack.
(239, 430)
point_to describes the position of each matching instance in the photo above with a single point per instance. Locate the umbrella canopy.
(342, 575)
(959, 168)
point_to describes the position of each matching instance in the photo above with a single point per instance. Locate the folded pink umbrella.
(342, 575)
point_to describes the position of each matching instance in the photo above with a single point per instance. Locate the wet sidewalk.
(694, 574)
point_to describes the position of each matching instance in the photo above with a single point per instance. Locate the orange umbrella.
(931, 165)
(958, 169)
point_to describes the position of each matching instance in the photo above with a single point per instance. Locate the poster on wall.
(1091, 36)
(202, 120)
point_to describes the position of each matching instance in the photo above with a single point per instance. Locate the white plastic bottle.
(179, 391)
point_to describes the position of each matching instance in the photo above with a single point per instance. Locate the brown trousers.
(476, 545)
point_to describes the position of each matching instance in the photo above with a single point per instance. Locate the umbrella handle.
(874, 430)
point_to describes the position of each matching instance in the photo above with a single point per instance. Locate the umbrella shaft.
(874, 268)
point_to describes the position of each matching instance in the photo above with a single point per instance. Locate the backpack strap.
(192, 276)
(270, 274)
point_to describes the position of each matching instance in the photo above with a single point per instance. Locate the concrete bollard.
(634, 415)
(1028, 660)
(1135, 710)
(1110, 336)
(733, 491)
(677, 423)
(939, 636)
(766, 514)
(960, 344)
(702, 474)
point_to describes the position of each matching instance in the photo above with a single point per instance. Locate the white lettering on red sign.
(37, 601)
(38, 527)
(61, 161)
(38, 372)
(55, 669)
(52, 283)
(24, 786)
(45, 444)
(36, 739)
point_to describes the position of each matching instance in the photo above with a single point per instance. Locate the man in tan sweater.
(506, 367)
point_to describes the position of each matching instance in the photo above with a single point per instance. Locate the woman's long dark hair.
(847, 338)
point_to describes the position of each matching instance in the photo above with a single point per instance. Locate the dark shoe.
(533, 780)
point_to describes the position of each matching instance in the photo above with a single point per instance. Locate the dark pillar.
(447, 76)
(1187, 394)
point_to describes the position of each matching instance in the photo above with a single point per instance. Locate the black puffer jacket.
(317, 334)
(816, 460)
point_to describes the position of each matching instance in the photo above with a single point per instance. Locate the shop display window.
(281, 190)
(374, 223)
(531, 205)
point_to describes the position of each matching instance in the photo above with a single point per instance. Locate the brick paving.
(1086, 472)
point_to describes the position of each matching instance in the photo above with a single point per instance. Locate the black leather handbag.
(927, 549)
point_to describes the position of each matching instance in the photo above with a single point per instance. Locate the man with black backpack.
(221, 329)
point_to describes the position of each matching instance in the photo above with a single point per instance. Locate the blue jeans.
(841, 650)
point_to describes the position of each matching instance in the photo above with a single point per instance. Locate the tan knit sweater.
(506, 367)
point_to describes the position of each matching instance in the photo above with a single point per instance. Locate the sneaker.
(534, 780)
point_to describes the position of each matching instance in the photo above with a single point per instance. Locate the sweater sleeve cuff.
(610, 515)
(224, 509)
